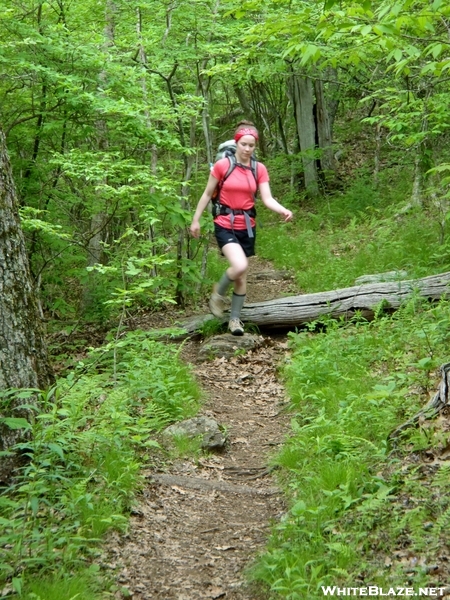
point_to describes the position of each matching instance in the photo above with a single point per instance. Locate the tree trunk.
(153, 150)
(416, 193)
(377, 158)
(251, 114)
(96, 235)
(327, 160)
(24, 360)
(302, 94)
(331, 75)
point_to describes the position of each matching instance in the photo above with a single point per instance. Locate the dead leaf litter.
(200, 524)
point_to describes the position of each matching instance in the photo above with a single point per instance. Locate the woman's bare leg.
(236, 274)
(237, 271)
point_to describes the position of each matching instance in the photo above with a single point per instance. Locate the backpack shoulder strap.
(254, 168)
(231, 166)
(233, 162)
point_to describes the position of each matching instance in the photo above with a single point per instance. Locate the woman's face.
(245, 147)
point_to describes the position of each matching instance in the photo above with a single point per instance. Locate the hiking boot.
(236, 327)
(216, 303)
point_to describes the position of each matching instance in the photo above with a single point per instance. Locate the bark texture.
(293, 311)
(23, 355)
(303, 95)
(324, 134)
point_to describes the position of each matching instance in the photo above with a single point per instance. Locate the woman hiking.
(234, 227)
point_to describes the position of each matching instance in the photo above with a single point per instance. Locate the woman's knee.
(237, 259)
(240, 268)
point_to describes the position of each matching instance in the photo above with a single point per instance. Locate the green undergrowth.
(362, 510)
(90, 437)
(362, 231)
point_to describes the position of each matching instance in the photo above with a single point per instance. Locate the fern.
(442, 477)
(441, 524)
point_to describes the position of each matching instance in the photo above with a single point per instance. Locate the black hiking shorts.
(236, 236)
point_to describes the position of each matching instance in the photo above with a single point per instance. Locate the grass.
(82, 586)
(342, 237)
(350, 386)
(183, 445)
(355, 503)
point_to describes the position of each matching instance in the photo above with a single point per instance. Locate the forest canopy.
(113, 111)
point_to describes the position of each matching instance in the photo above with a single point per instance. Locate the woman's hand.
(287, 214)
(272, 204)
(195, 229)
(202, 204)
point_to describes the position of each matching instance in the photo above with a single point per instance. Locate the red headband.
(245, 131)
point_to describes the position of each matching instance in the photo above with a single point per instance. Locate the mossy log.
(294, 311)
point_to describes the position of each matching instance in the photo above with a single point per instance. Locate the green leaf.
(425, 363)
(311, 52)
(15, 423)
(431, 67)
(385, 29)
(436, 50)
(34, 504)
(17, 585)
(298, 508)
(151, 444)
(57, 449)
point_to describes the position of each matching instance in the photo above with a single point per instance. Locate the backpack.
(228, 149)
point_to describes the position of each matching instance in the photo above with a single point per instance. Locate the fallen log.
(364, 299)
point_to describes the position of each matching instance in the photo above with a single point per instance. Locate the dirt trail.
(200, 527)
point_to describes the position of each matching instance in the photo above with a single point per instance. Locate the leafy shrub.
(89, 438)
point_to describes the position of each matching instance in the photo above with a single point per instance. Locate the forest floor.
(200, 526)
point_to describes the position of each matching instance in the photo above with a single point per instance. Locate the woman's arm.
(202, 204)
(271, 203)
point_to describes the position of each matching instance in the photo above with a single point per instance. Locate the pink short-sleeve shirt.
(237, 191)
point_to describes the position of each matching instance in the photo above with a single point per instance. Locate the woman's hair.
(245, 125)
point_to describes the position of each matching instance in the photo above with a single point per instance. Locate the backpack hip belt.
(222, 209)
